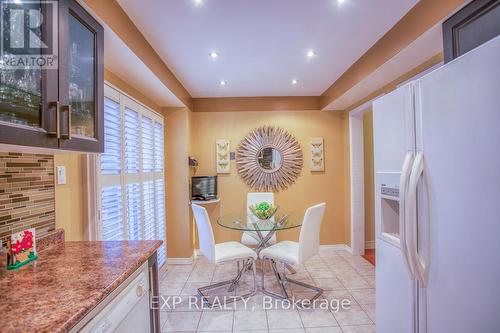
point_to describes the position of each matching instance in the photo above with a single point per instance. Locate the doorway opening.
(362, 182)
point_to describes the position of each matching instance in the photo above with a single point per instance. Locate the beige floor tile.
(250, 304)
(250, 320)
(329, 284)
(304, 274)
(185, 305)
(321, 273)
(370, 311)
(201, 276)
(344, 277)
(364, 296)
(341, 296)
(180, 321)
(370, 279)
(279, 319)
(354, 282)
(347, 271)
(352, 316)
(201, 260)
(191, 288)
(324, 330)
(177, 277)
(359, 329)
(317, 318)
(366, 271)
(171, 288)
(216, 321)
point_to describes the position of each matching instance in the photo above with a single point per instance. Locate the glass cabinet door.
(81, 81)
(21, 96)
(28, 91)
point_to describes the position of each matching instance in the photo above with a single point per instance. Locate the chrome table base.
(283, 280)
(232, 285)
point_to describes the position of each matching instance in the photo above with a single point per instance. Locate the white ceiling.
(262, 43)
(120, 60)
(423, 48)
(124, 63)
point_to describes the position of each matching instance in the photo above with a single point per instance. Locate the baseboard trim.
(181, 261)
(333, 247)
(349, 249)
(370, 245)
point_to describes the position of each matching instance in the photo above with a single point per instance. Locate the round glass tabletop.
(249, 222)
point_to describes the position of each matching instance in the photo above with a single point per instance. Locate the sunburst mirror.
(269, 159)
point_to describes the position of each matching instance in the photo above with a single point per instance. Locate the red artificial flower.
(17, 247)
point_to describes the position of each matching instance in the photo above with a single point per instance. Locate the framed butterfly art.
(317, 162)
(222, 156)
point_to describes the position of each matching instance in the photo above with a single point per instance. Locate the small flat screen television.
(204, 188)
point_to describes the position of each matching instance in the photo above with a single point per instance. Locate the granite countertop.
(67, 281)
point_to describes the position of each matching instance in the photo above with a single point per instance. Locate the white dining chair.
(296, 253)
(250, 238)
(222, 253)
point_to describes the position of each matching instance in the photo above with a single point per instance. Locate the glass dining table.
(262, 230)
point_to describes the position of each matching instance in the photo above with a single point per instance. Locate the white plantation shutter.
(160, 216)
(111, 212)
(131, 177)
(147, 144)
(159, 147)
(111, 160)
(148, 198)
(133, 195)
(131, 127)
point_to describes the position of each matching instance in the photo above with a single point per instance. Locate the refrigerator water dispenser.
(389, 207)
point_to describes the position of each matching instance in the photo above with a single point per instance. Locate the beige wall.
(177, 150)
(69, 197)
(309, 189)
(368, 176)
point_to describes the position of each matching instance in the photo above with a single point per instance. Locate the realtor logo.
(29, 34)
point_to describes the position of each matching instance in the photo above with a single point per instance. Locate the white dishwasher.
(128, 311)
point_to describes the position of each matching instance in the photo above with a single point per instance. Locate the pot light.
(223, 82)
(310, 53)
(340, 1)
(295, 81)
(213, 55)
(198, 2)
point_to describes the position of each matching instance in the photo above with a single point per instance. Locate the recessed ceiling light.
(310, 53)
(198, 1)
(295, 81)
(223, 82)
(340, 1)
(213, 55)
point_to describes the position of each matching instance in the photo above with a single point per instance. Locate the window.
(131, 179)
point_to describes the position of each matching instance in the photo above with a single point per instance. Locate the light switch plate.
(61, 175)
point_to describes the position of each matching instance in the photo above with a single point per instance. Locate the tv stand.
(205, 202)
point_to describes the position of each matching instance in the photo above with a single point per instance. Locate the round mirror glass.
(270, 159)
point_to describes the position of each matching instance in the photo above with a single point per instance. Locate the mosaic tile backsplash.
(26, 193)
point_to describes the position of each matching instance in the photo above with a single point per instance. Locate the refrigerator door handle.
(403, 185)
(421, 267)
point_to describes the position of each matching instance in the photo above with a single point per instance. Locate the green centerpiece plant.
(263, 210)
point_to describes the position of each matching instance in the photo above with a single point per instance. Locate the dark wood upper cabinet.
(62, 107)
(470, 27)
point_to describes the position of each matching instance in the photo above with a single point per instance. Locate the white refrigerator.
(437, 174)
